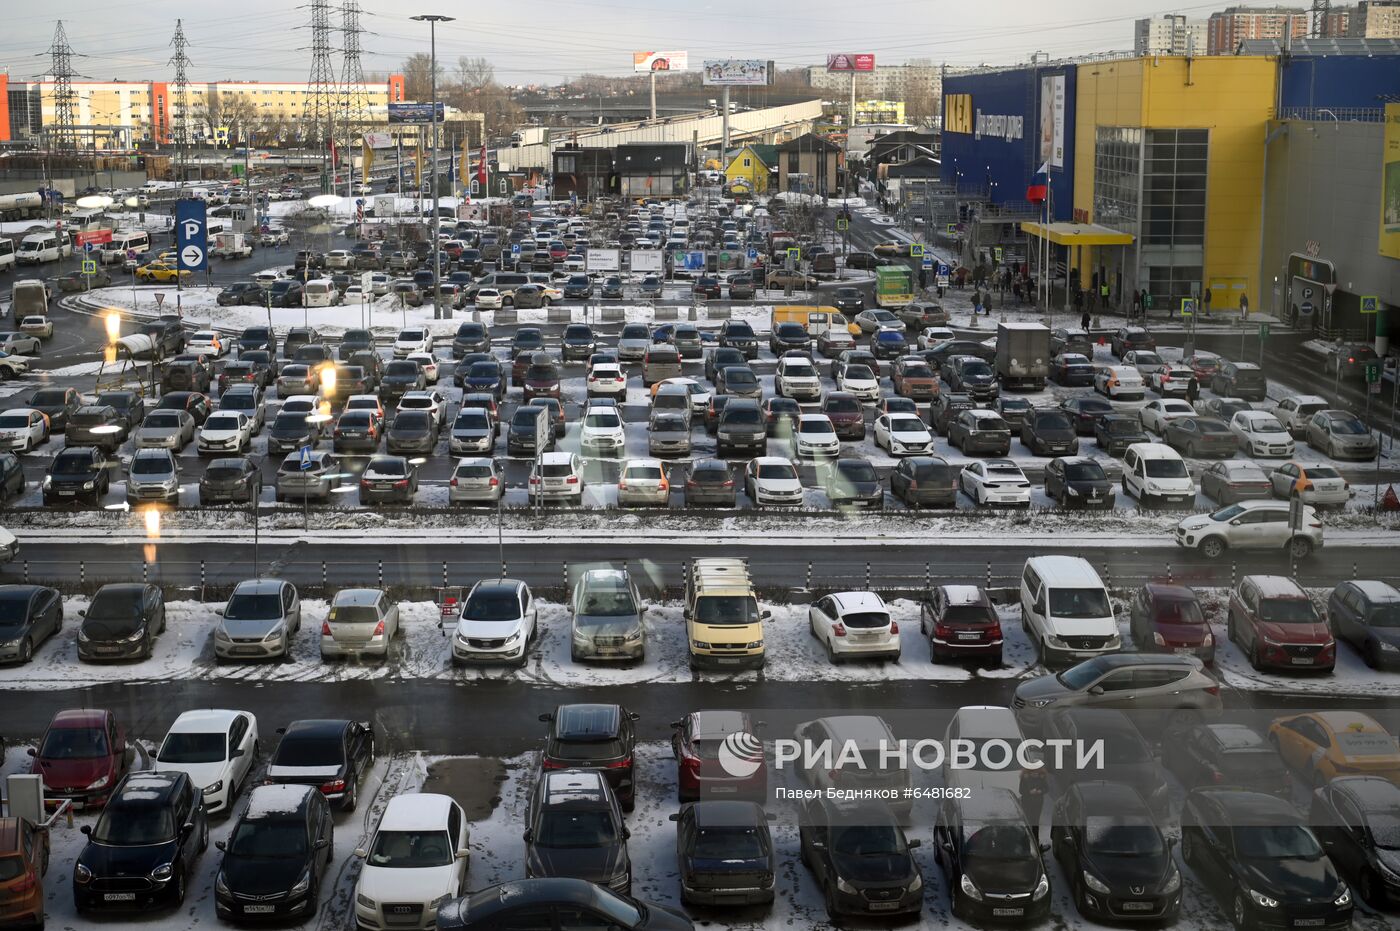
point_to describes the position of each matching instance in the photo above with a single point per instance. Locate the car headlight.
(163, 872)
(134, 637)
(220, 884)
(755, 645)
(970, 889)
(1343, 898)
(440, 901)
(100, 782)
(82, 874)
(1173, 883)
(1042, 702)
(511, 639)
(1115, 642)
(633, 634)
(88, 486)
(221, 634)
(366, 901)
(218, 786)
(302, 886)
(916, 884)
(700, 644)
(843, 886)
(1055, 642)
(1071, 491)
(1042, 887)
(1208, 640)
(275, 635)
(1261, 900)
(48, 481)
(1388, 647)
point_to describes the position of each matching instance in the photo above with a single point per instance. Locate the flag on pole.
(418, 168)
(368, 157)
(466, 166)
(481, 171)
(335, 163)
(1037, 190)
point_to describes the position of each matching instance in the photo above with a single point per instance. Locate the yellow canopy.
(1077, 234)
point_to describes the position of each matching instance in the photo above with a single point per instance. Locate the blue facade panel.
(1001, 154)
(1338, 82)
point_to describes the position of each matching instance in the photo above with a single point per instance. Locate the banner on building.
(849, 61)
(643, 62)
(957, 113)
(1390, 183)
(737, 72)
(1052, 120)
(401, 113)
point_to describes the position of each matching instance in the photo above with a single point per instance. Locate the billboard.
(848, 61)
(604, 260)
(386, 205)
(1390, 183)
(1052, 120)
(737, 72)
(643, 62)
(647, 260)
(401, 113)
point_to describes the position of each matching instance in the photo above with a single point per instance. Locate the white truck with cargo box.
(232, 246)
(1023, 355)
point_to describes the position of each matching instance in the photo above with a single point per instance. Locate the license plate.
(883, 906)
(1302, 661)
(119, 897)
(259, 909)
(970, 636)
(1139, 906)
(247, 651)
(1309, 922)
(1185, 651)
(730, 660)
(67, 494)
(1008, 912)
(720, 790)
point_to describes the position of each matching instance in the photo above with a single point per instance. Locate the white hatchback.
(416, 861)
(854, 625)
(1261, 434)
(216, 748)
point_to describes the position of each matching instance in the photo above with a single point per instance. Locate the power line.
(354, 101)
(319, 108)
(181, 93)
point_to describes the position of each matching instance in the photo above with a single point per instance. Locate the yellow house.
(752, 166)
(1170, 150)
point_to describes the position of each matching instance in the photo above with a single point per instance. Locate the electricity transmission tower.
(354, 101)
(63, 134)
(180, 133)
(1320, 11)
(318, 110)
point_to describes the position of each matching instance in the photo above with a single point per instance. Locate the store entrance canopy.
(1077, 234)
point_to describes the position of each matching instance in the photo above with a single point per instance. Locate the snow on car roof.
(266, 801)
(860, 601)
(1276, 586)
(962, 594)
(1377, 591)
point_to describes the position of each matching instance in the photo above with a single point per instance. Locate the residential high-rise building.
(1376, 19)
(1171, 34)
(1338, 21)
(1227, 28)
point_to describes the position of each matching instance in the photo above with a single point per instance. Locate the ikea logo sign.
(999, 126)
(957, 113)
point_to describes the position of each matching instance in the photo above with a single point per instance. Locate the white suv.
(601, 432)
(797, 378)
(854, 624)
(1250, 525)
(499, 621)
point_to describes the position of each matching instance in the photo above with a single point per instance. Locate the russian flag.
(1038, 190)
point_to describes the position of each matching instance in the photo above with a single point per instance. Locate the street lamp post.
(432, 19)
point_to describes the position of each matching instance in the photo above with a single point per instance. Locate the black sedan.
(1262, 862)
(29, 615)
(1085, 412)
(848, 300)
(725, 853)
(786, 336)
(122, 622)
(1201, 436)
(1355, 818)
(1119, 863)
(612, 288)
(237, 479)
(991, 859)
(861, 859)
(1114, 433)
(1078, 481)
(1072, 370)
(332, 755)
(276, 856)
(240, 292)
(854, 483)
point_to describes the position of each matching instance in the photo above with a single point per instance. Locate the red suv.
(961, 623)
(846, 413)
(1275, 624)
(1168, 619)
(541, 378)
(82, 756)
(696, 747)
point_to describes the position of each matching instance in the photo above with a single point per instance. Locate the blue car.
(889, 344)
(486, 378)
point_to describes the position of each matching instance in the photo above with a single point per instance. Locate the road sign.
(927, 262)
(1188, 307)
(753, 254)
(842, 224)
(794, 254)
(160, 299)
(1264, 329)
(997, 254)
(1373, 372)
(131, 255)
(952, 229)
(367, 282)
(1370, 304)
(89, 267)
(515, 248)
(304, 459)
(940, 281)
(1306, 309)
(1374, 387)
(943, 270)
(916, 250)
(191, 234)
(87, 247)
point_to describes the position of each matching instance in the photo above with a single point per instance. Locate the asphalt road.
(417, 566)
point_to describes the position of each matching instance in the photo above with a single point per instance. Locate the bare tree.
(418, 76)
(475, 74)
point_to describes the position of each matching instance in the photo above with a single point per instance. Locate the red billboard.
(848, 61)
(96, 237)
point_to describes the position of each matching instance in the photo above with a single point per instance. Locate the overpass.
(705, 127)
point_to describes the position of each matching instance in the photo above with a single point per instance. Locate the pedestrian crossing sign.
(1188, 307)
(89, 267)
(916, 250)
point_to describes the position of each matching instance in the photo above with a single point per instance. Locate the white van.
(1154, 473)
(7, 254)
(1066, 611)
(37, 248)
(320, 292)
(124, 241)
(87, 219)
(215, 226)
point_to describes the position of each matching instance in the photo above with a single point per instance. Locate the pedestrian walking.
(1084, 321)
(1193, 390)
(1103, 294)
(1205, 303)
(1244, 306)
(1137, 302)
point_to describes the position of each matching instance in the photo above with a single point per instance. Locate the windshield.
(163, 421)
(1085, 472)
(1000, 841)
(729, 844)
(861, 372)
(1385, 616)
(193, 748)
(607, 599)
(19, 421)
(476, 419)
(1121, 426)
(492, 604)
(1276, 842)
(294, 423)
(1342, 426)
(269, 839)
(1079, 603)
(815, 426)
(309, 751)
(838, 405)
(1122, 837)
(134, 825)
(253, 607)
(1287, 611)
(868, 841)
(722, 610)
(576, 829)
(743, 416)
(410, 850)
(603, 420)
(47, 398)
(74, 743)
(857, 471)
(1166, 468)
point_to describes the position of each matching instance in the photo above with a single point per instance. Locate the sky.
(546, 41)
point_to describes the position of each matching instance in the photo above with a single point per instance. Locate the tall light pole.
(432, 19)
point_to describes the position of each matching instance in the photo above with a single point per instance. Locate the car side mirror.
(32, 752)
(238, 753)
(223, 845)
(818, 845)
(1096, 690)
(673, 816)
(361, 852)
(528, 836)
(632, 715)
(187, 829)
(914, 843)
(677, 725)
(765, 615)
(86, 829)
(547, 717)
(321, 843)
(219, 612)
(626, 833)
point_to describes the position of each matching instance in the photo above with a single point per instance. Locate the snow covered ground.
(185, 651)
